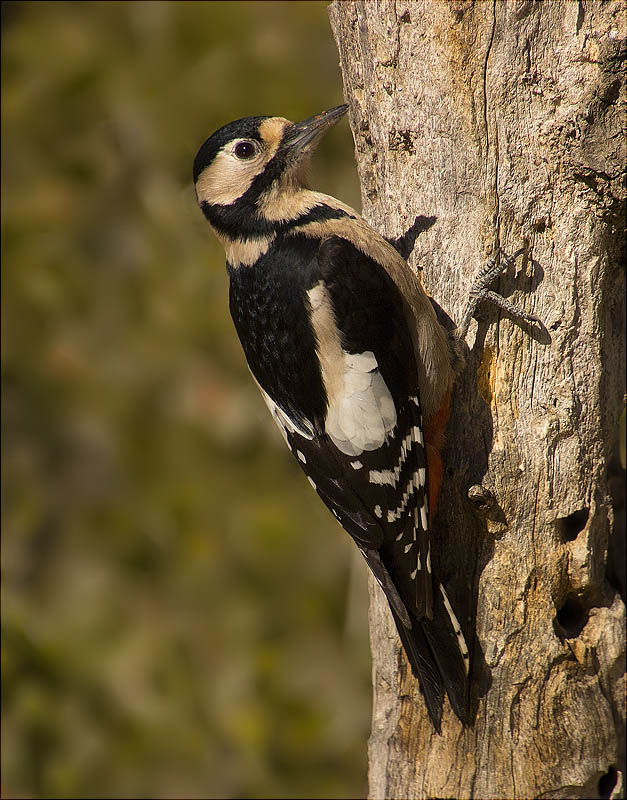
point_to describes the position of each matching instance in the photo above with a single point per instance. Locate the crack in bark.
(514, 702)
(533, 532)
(533, 379)
(485, 80)
(555, 661)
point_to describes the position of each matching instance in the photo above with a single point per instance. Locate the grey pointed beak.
(304, 136)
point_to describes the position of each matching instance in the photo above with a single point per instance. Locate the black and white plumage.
(338, 350)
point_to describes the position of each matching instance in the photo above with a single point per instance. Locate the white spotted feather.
(362, 415)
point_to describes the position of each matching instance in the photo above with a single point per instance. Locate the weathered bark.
(502, 122)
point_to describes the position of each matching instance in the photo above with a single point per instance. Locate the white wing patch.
(361, 412)
(363, 415)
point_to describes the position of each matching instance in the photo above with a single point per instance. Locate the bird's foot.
(479, 291)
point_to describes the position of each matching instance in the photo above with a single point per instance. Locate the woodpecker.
(348, 354)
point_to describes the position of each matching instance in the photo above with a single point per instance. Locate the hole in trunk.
(571, 526)
(607, 782)
(572, 616)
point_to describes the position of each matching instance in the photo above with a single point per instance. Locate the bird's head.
(252, 158)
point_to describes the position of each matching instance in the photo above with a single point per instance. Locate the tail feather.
(424, 668)
(447, 643)
(438, 655)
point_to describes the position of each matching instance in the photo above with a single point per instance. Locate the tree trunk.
(501, 122)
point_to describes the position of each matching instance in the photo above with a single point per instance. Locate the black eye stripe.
(244, 150)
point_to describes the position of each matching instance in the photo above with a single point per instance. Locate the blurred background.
(181, 615)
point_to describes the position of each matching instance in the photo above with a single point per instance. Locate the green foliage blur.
(181, 615)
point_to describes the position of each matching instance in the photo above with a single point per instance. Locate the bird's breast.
(270, 310)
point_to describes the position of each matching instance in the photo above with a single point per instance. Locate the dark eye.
(244, 150)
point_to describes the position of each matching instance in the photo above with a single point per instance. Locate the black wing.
(391, 482)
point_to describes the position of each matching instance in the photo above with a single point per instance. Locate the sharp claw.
(502, 302)
(479, 291)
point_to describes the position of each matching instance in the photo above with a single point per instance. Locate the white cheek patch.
(226, 179)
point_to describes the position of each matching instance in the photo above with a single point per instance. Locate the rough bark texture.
(501, 121)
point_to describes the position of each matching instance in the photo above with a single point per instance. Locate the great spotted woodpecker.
(349, 356)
